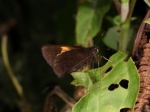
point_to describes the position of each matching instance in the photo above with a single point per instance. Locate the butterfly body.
(67, 59)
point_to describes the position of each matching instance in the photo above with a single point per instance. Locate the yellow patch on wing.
(64, 49)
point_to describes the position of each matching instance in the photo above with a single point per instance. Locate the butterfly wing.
(67, 59)
(50, 52)
(62, 58)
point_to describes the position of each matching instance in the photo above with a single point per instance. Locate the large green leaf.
(109, 91)
(89, 19)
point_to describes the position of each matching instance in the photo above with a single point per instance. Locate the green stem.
(9, 69)
(124, 37)
(132, 4)
(123, 43)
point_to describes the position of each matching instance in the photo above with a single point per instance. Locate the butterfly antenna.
(100, 37)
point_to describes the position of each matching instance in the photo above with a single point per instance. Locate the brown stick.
(49, 103)
(141, 30)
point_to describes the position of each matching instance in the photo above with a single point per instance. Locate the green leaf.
(89, 20)
(112, 90)
(112, 37)
(117, 20)
(82, 79)
(86, 79)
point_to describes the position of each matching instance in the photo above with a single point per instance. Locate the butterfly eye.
(95, 51)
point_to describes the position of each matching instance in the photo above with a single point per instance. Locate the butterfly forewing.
(50, 52)
(67, 59)
(70, 61)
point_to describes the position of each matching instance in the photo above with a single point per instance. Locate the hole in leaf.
(109, 69)
(124, 83)
(113, 86)
(125, 110)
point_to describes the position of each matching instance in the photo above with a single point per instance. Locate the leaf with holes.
(111, 88)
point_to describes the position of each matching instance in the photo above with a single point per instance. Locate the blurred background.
(29, 24)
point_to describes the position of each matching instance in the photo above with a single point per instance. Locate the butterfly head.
(95, 50)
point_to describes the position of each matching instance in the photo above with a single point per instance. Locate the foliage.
(89, 20)
(29, 24)
(108, 91)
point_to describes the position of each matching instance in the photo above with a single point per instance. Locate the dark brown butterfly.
(67, 59)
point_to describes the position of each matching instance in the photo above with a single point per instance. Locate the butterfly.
(68, 59)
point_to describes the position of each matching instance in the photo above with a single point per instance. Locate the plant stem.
(125, 29)
(9, 69)
(25, 107)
